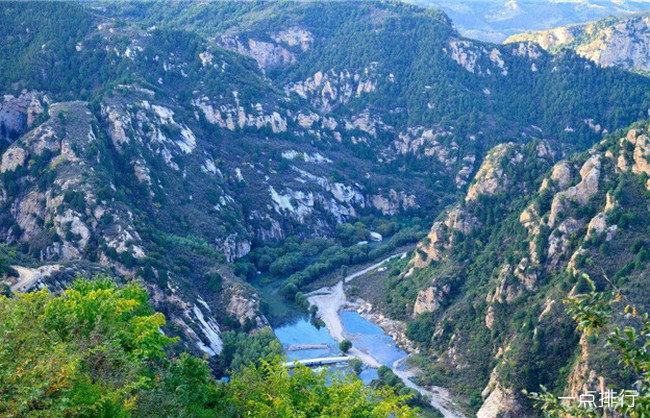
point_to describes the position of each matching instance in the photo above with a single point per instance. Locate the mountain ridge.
(496, 20)
(243, 142)
(587, 211)
(613, 41)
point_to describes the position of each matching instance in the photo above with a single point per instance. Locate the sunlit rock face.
(613, 42)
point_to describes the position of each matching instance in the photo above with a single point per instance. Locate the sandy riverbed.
(331, 301)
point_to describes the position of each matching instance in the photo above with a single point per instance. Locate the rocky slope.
(614, 41)
(165, 142)
(495, 20)
(491, 275)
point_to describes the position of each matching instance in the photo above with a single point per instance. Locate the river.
(302, 340)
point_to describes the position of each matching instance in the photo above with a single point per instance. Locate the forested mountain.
(202, 146)
(495, 20)
(613, 41)
(485, 287)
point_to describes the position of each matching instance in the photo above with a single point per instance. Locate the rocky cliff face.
(167, 151)
(614, 41)
(495, 20)
(17, 114)
(581, 218)
(491, 178)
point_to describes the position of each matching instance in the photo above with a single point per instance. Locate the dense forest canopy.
(233, 157)
(97, 350)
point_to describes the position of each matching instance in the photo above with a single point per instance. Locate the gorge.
(252, 183)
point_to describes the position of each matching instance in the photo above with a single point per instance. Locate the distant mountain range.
(495, 20)
(612, 41)
(235, 155)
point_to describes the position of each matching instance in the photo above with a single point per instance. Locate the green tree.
(87, 352)
(268, 391)
(345, 345)
(594, 312)
(240, 349)
(356, 365)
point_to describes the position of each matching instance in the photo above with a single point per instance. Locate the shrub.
(345, 345)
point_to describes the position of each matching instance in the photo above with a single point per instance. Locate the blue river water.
(371, 338)
(363, 334)
(303, 332)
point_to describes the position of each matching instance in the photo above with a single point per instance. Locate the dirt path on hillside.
(27, 277)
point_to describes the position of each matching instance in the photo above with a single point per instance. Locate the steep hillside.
(388, 67)
(166, 141)
(483, 292)
(495, 20)
(614, 41)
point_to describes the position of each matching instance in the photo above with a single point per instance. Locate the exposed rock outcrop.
(12, 159)
(640, 155)
(236, 116)
(440, 236)
(491, 177)
(18, 114)
(477, 59)
(615, 41)
(394, 203)
(581, 192)
(326, 90)
(501, 403)
(267, 54)
(429, 299)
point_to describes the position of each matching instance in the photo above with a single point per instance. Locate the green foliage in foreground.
(96, 350)
(240, 349)
(595, 313)
(388, 378)
(269, 391)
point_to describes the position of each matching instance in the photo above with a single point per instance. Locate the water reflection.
(371, 338)
(302, 332)
(363, 334)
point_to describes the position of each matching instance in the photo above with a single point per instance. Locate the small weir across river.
(303, 342)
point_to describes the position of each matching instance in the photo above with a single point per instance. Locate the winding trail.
(330, 302)
(27, 277)
(439, 397)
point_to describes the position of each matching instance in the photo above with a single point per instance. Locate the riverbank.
(396, 329)
(331, 301)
